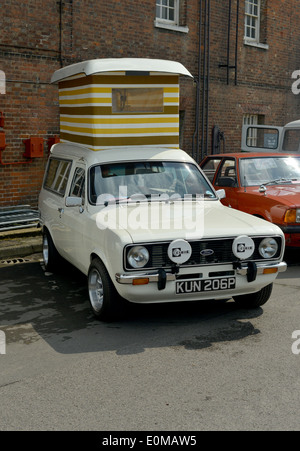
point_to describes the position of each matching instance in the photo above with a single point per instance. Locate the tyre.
(106, 303)
(52, 259)
(254, 300)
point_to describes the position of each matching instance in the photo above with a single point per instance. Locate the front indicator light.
(292, 216)
(270, 270)
(141, 281)
(268, 247)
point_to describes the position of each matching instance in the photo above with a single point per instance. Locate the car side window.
(210, 167)
(227, 174)
(57, 175)
(78, 184)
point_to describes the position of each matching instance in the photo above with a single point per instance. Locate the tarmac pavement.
(198, 367)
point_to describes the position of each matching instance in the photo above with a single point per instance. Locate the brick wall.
(39, 36)
(263, 74)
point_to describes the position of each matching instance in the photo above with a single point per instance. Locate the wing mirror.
(73, 201)
(221, 194)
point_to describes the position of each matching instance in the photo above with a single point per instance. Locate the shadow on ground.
(37, 305)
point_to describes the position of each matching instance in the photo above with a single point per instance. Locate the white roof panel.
(294, 124)
(117, 154)
(97, 66)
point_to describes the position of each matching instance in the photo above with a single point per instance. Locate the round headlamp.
(138, 256)
(268, 247)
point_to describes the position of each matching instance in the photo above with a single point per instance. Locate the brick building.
(242, 54)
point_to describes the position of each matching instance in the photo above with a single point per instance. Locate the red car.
(266, 185)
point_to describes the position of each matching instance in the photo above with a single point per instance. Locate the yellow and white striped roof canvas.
(93, 110)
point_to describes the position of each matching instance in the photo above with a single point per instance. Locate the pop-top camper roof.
(105, 103)
(133, 65)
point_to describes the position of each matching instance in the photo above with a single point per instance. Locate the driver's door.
(226, 178)
(73, 216)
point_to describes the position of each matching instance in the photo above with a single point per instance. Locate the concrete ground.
(20, 243)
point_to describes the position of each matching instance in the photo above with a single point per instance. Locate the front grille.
(222, 253)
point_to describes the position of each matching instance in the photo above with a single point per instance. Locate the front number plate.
(199, 285)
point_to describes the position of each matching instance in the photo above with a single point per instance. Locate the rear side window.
(57, 174)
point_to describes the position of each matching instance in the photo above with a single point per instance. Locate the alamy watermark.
(296, 344)
(2, 342)
(296, 84)
(166, 213)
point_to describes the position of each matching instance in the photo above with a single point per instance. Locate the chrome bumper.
(261, 267)
(152, 276)
(156, 276)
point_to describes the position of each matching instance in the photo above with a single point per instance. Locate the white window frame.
(172, 24)
(251, 119)
(254, 18)
(165, 5)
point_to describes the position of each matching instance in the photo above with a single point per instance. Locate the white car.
(145, 225)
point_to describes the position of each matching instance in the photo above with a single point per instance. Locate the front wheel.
(254, 300)
(105, 301)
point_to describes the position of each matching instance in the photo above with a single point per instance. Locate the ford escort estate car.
(146, 226)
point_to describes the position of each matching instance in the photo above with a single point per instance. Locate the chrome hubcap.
(96, 290)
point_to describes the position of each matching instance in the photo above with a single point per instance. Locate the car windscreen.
(269, 170)
(151, 180)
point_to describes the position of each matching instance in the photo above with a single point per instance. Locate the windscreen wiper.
(278, 181)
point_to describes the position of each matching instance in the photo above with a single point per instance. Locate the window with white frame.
(167, 11)
(252, 20)
(168, 15)
(251, 119)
